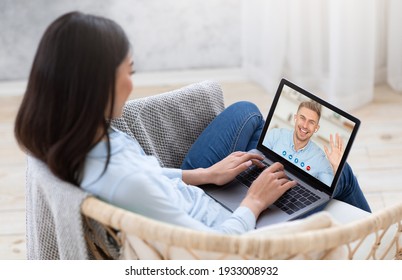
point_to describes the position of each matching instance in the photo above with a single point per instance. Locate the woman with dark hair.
(80, 80)
(71, 92)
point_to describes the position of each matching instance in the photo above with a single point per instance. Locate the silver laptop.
(291, 121)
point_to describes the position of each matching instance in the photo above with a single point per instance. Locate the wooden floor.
(376, 156)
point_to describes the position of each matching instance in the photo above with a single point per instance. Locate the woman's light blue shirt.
(136, 182)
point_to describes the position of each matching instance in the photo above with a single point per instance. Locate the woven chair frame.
(289, 246)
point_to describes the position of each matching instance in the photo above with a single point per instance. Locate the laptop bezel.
(290, 167)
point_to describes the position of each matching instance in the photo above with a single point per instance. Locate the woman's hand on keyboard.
(223, 171)
(227, 169)
(267, 188)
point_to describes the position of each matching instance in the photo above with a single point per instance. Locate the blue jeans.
(238, 128)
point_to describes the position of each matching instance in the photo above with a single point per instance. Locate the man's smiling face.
(306, 123)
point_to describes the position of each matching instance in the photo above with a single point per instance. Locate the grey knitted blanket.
(165, 125)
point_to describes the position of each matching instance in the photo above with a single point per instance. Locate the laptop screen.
(308, 135)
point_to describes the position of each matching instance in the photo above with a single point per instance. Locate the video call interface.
(299, 120)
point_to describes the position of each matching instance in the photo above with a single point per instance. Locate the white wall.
(166, 34)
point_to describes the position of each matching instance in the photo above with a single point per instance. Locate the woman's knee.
(244, 106)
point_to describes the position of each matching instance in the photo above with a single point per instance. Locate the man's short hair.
(312, 105)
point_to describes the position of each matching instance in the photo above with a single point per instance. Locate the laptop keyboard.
(248, 176)
(291, 201)
(295, 199)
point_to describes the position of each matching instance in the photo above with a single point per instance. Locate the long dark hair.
(70, 87)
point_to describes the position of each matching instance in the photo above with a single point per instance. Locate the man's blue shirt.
(311, 158)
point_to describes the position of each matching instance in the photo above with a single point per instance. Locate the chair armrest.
(167, 124)
(377, 236)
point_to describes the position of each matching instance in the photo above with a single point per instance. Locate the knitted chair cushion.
(166, 125)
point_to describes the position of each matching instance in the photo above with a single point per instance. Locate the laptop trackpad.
(230, 195)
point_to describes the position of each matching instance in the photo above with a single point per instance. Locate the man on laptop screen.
(303, 144)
